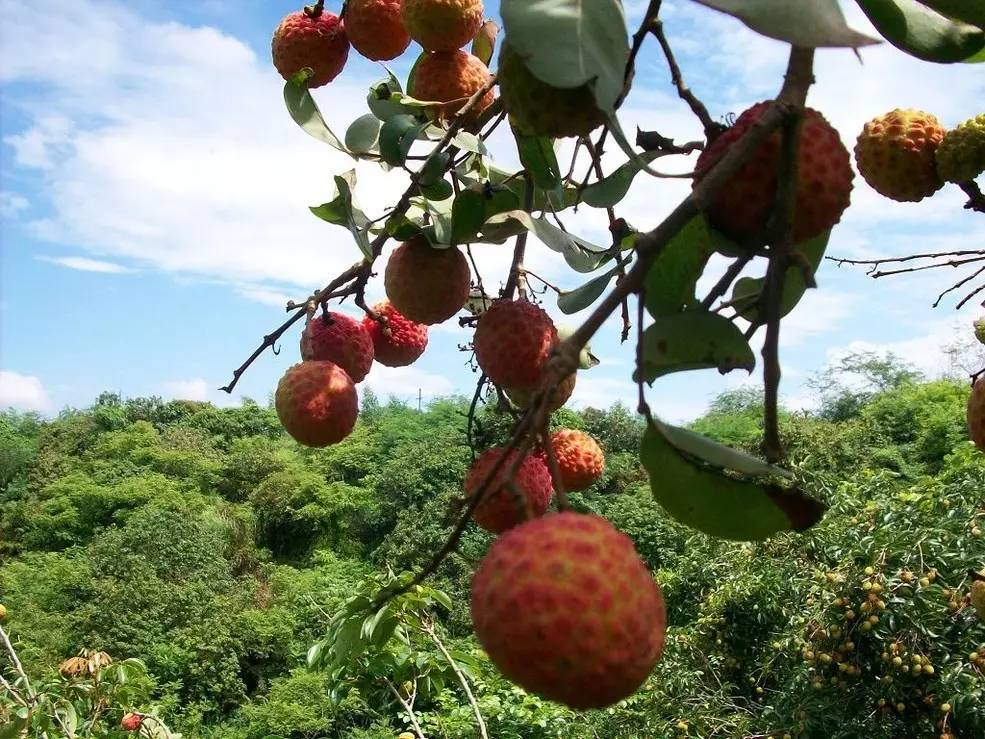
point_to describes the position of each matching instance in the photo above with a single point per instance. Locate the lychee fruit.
(539, 109)
(338, 338)
(499, 510)
(560, 396)
(375, 28)
(961, 154)
(316, 403)
(976, 414)
(742, 206)
(314, 39)
(131, 722)
(451, 77)
(978, 598)
(426, 284)
(580, 459)
(442, 25)
(895, 154)
(513, 342)
(565, 608)
(401, 341)
(3, 611)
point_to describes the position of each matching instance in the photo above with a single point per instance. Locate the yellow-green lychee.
(895, 154)
(961, 154)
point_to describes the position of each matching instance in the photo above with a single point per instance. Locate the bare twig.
(431, 630)
(958, 284)
(408, 707)
(516, 279)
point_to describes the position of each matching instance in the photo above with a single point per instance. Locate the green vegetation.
(207, 553)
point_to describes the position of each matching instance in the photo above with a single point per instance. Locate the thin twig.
(955, 286)
(712, 128)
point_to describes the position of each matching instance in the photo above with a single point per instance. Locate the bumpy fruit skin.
(342, 340)
(978, 598)
(3, 611)
(539, 109)
(498, 510)
(565, 608)
(742, 206)
(451, 77)
(317, 42)
(961, 154)
(375, 29)
(895, 154)
(976, 414)
(560, 396)
(316, 403)
(403, 340)
(427, 285)
(131, 722)
(580, 459)
(442, 25)
(513, 341)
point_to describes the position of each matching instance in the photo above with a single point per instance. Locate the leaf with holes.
(694, 340)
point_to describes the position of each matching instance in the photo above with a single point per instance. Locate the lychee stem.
(314, 11)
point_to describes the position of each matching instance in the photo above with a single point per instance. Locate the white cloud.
(84, 264)
(23, 392)
(11, 204)
(264, 295)
(195, 389)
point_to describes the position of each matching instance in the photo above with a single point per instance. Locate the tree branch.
(432, 632)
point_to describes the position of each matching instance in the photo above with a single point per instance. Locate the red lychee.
(741, 207)
(316, 403)
(131, 722)
(498, 510)
(560, 396)
(315, 40)
(895, 154)
(401, 342)
(338, 338)
(442, 25)
(426, 284)
(451, 77)
(580, 459)
(565, 608)
(375, 28)
(513, 341)
(976, 414)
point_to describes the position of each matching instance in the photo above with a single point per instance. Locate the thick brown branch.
(976, 200)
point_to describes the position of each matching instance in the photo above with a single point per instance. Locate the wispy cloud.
(84, 264)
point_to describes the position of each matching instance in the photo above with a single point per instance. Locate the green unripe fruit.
(961, 154)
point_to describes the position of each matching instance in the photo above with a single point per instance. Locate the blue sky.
(154, 193)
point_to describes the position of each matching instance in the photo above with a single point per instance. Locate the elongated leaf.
(538, 158)
(468, 213)
(694, 340)
(581, 255)
(362, 134)
(671, 281)
(581, 297)
(922, 33)
(467, 141)
(342, 211)
(484, 42)
(568, 43)
(969, 11)
(304, 110)
(397, 137)
(718, 455)
(609, 191)
(811, 24)
(702, 496)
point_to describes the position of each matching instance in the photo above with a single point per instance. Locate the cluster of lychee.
(908, 155)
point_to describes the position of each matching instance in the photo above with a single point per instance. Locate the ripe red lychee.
(498, 509)
(539, 109)
(338, 338)
(316, 403)
(895, 154)
(565, 608)
(740, 209)
(442, 25)
(316, 40)
(375, 28)
(401, 342)
(131, 722)
(521, 398)
(580, 459)
(976, 414)
(513, 341)
(425, 284)
(451, 77)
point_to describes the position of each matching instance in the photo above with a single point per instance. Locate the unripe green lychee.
(442, 25)
(560, 396)
(338, 338)
(539, 109)
(580, 459)
(976, 414)
(961, 154)
(513, 341)
(741, 207)
(565, 608)
(316, 403)
(315, 40)
(498, 509)
(427, 284)
(451, 77)
(376, 29)
(401, 341)
(895, 154)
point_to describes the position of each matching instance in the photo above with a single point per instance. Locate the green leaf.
(402, 228)
(671, 281)
(467, 141)
(703, 497)
(969, 11)
(586, 360)
(814, 24)
(922, 33)
(538, 158)
(746, 292)
(468, 213)
(397, 137)
(342, 211)
(439, 190)
(572, 301)
(569, 43)
(434, 168)
(718, 455)
(581, 255)
(694, 340)
(362, 134)
(609, 191)
(484, 43)
(381, 98)
(304, 110)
